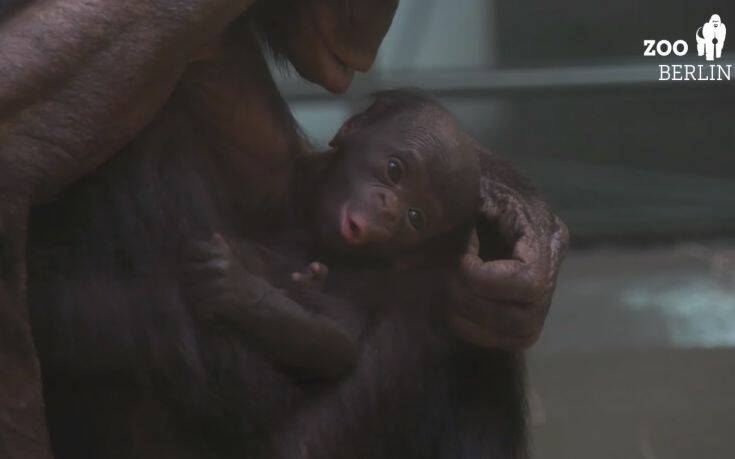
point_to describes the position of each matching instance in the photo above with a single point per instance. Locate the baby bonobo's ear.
(346, 128)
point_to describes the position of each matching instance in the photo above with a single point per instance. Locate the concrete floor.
(638, 357)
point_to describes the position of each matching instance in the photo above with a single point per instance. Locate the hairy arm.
(310, 344)
(221, 290)
(358, 403)
(79, 78)
(380, 404)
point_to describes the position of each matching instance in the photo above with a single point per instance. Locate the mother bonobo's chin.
(326, 40)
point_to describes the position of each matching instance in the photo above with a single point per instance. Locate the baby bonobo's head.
(404, 174)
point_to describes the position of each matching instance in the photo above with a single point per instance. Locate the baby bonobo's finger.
(313, 276)
(319, 270)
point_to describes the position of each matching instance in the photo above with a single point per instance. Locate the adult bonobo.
(205, 142)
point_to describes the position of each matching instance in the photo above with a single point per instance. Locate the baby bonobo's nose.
(360, 227)
(355, 229)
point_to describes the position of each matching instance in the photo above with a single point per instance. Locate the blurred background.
(637, 359)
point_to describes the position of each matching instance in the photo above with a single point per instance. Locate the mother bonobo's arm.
(77, 80)
(503, 303)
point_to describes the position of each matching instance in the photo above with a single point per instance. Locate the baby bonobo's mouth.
(350, 229)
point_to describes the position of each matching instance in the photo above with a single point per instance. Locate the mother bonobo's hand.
(503, 303)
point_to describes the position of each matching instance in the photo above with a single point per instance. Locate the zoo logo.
(711, 38)
(710, 43)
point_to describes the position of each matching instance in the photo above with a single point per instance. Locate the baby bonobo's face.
(403, 177)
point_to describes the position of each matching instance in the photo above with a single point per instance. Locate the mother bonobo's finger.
(559, 246)
(506, 280)
(504, 303)
(523, 279)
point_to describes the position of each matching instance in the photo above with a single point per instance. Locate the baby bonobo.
(398, 189)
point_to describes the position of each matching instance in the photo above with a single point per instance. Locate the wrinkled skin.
(503, 303)
(79, 80)
(392, 188)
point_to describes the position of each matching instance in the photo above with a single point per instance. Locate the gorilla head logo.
(711, 38)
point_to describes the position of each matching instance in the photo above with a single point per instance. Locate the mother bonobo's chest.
(238, 136)
(218, 157)
(213, 175)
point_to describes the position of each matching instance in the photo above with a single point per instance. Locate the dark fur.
(105, 301)
(128, 373)
(417, 392)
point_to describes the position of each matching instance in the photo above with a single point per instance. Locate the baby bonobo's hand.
(212, 277)
(313, 277)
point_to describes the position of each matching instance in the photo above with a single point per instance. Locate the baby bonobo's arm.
(219, 288)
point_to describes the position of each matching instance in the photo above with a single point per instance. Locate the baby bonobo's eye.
(417, 219)
(394, 170)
